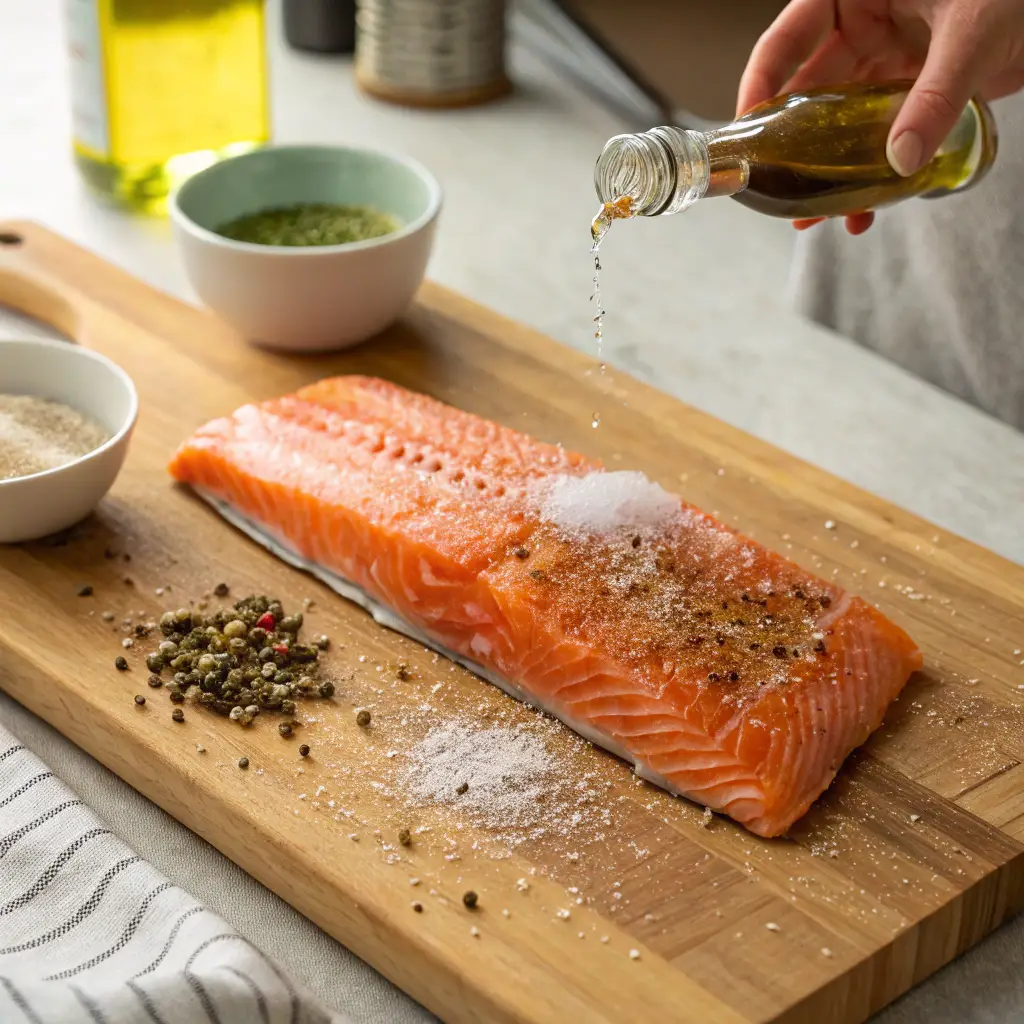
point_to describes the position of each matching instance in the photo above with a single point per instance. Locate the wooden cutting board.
(913, 855)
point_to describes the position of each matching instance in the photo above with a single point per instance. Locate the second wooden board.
(913, 855)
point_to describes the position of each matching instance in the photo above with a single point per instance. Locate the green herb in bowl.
(310, 224)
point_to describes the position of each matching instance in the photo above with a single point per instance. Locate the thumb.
(936, 101)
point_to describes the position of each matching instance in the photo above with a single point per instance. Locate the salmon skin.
(724, 672)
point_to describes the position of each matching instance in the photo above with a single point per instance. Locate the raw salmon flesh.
(722, 671)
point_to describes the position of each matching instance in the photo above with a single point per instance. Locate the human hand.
(955, 49)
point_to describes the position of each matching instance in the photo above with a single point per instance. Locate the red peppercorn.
(281, 648)
(266, 621)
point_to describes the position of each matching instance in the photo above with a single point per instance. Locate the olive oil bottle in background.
(819, 153)
(162, 88)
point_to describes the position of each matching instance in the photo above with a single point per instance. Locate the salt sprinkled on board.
(500, 774)
(600, 503)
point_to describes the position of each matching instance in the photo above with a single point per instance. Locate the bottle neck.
(666, 170)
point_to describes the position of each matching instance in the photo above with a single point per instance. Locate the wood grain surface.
(914, 854)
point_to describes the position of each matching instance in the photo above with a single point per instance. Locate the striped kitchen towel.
(92, 934)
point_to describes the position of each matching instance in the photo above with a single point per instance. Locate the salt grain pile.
(602, 503)
(507, 779)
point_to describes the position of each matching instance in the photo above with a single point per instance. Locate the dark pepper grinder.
(323, 26)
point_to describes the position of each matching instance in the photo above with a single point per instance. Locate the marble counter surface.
(696, 305)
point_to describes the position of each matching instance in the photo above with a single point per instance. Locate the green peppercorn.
(155, 662)
(288, 707)
(290, 623)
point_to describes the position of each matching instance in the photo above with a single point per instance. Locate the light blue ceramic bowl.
(310, 298)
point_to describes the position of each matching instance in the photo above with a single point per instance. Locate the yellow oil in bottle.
(819, 153)
(163, 88)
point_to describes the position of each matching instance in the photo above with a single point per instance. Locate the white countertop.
(695, 306)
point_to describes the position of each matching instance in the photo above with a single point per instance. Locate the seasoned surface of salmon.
(723, 671)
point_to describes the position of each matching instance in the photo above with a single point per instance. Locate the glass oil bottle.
(819, 153)
(161, 89)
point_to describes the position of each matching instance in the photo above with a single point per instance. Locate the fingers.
(950, 75)
(833, 61)
(785, 45)
(856, 224)
(859, 223)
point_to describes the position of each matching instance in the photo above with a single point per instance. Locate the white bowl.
(307, 298)
(44, 503)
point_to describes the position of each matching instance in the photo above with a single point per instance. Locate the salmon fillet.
(722, 671)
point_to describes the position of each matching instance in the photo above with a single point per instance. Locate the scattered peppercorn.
(304, 750)
(779, 651)
(470, 899)
(461, 788)
(221, 590)
(109, 553)
(285, 729)
(120, 664)
(522, 553)
(713, 677)
(734, 677)
(403, 673)
(404, 837)
(155, 681)
(363, 718)
(178, 715)
(177, 697)
(418, 908)
(243, 763)
(85, 590)
(139, 699)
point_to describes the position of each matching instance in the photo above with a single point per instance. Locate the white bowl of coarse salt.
(66, 417)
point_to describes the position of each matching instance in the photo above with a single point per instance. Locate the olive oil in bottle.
(819, 153)
(162, 88)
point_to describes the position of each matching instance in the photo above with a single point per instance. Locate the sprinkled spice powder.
(506, 772)
(308, 224)
(37, 434)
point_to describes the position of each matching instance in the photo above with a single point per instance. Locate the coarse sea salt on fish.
(602, 503)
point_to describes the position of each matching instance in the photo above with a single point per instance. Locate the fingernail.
(904, 153)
